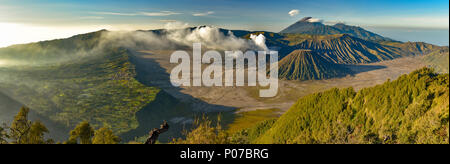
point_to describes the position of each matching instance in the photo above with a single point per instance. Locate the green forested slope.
(419, 48)
(412, 109)
(439, 60)
(54, 50)
(76, 79)
(6, 106)
(101, 90)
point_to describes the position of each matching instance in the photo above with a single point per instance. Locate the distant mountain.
(58, 49)
(345, 49)
(306, 26)
(309, 26)
(419, 48)
(360, 32)
(340, 44)
(308, 65)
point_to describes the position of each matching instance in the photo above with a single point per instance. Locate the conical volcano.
(309, 65)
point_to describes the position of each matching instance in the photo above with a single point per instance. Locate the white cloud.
(176, 25)
(152, 14)
(314, 20)
(333, 22)
(91, 17)
(260, 41)
(203, 14)
(177, 34)
(115, 13)
(167, 20)
(162, 13)
(294, 12)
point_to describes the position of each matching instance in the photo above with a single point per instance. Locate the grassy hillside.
(76, 79)
(439, 60)
(412, 109)
(6, 106)
(101, 90)
(308, 65)
(54, 50)
(248, 119)
(419, 48)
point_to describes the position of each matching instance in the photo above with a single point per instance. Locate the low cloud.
(333, 22)
(294, 12)
(203, 14)
(91, 17)
(158, 14)
(260, 41)
(177, 35)
(115, 13)
(151, 14)
(314, 20)
(176, 25)
(167, 20)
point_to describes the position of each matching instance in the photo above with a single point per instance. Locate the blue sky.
(388, 17)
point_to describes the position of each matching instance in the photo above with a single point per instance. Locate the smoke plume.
(178, 35)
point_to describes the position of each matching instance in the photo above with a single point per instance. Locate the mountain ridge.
(306, 26)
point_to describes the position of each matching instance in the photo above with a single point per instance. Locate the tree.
(3, 135)
(83, 133)
(205, 133)
(36, 134)
(154, 134)
(105, 136)
(20, 126)
(24, 131)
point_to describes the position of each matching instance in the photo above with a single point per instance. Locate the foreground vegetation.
(439, 60)
(24, 131)
(411, 110)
